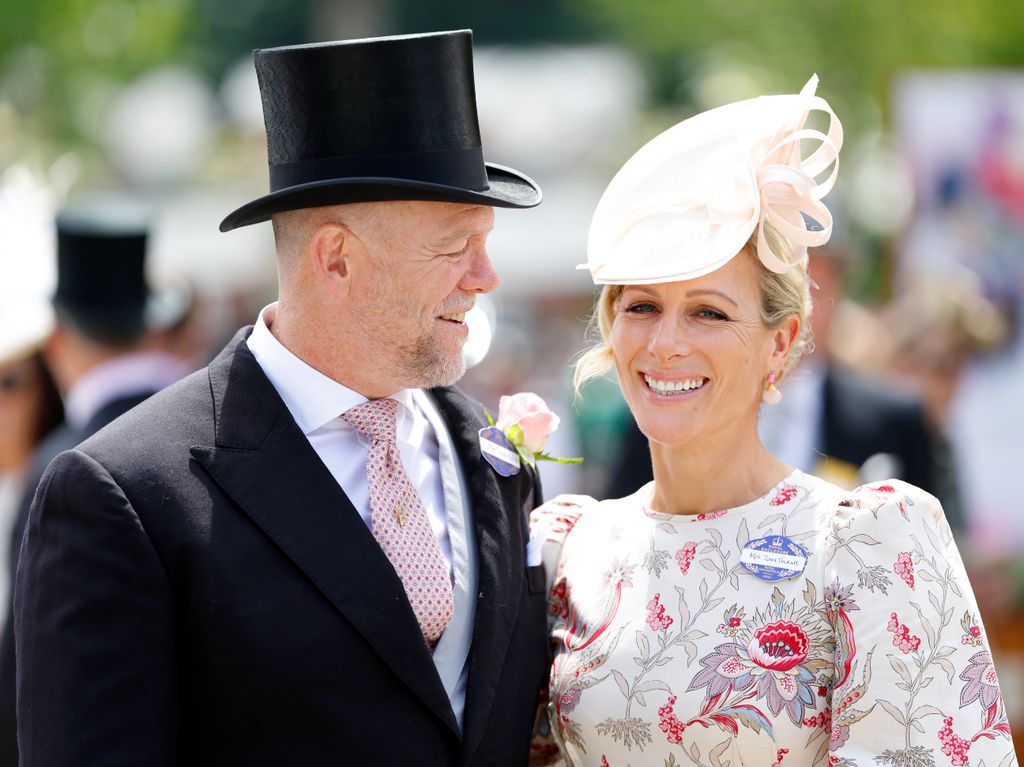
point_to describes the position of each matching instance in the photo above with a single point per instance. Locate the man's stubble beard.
(423, 363)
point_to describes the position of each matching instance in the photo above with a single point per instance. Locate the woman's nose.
(668, 339)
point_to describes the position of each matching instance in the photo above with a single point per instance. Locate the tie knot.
(374, 418)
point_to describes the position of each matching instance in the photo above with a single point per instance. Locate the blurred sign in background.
(158, 98)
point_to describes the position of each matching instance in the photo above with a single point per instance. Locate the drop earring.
(771, 396)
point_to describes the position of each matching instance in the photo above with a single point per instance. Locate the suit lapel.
(501, 551)
(264, 462)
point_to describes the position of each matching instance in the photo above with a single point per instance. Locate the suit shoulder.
(181, 413)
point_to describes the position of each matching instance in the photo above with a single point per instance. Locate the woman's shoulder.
(891, 505)
(555, 519)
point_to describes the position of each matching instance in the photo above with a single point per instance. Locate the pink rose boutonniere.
(520, 433)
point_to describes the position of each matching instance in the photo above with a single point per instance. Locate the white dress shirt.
(316, 402)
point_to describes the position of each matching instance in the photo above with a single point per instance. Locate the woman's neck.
(703, 477)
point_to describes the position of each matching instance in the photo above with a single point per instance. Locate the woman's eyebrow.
(709, 291)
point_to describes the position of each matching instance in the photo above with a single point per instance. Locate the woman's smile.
(674, 387)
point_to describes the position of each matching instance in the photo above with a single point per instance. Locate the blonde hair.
(782, 294)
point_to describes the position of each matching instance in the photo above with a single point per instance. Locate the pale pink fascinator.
(689, 199)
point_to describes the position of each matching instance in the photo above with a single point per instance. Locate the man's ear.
(331, 248)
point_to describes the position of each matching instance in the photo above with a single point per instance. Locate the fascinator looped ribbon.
(689, 200)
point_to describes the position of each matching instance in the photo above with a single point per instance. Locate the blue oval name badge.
(498, 451)
(773, 558)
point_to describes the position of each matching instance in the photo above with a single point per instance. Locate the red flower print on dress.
(822, 720)
(904, 567)
(684, 557)
(604, 761)
(972, 630)
(779, 756)
(902, 637)
(656, 617)
(732, 620)
(771, 663)
(786, 494)
(709, 515)
(953, 745)
(778, 646)
(558, 599)
(669, 724)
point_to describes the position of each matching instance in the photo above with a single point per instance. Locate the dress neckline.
(644, 494)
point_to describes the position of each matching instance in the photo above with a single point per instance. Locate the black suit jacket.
(60, 439)
(195, 589)
(861, 418)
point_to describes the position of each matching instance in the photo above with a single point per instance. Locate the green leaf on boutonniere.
(490, 421)
(553, 459)
(525, 453)
(515, 434)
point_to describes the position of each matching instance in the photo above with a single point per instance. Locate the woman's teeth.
(671, 387)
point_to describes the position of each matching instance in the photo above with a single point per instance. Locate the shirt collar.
(313, 399)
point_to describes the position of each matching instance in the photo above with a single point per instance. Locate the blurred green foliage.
(854, 45)
(60, 59)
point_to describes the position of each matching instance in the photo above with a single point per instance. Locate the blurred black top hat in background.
(102, 289)
(388, 118)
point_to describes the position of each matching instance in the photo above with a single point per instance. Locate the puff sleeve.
(915, 684)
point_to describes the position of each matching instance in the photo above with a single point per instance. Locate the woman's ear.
(783, 338)
(331, 250)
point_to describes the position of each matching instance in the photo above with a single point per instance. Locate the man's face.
(417, 269)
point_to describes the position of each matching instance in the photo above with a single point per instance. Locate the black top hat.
(388, 118)
(101, 282)
(102, 288)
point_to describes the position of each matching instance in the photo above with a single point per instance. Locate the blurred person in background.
(102, 357)
(783, 614)
(937, 326)
(30, 409)
(299, 555)
(840, 423)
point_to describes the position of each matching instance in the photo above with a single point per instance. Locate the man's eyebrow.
(446, 240)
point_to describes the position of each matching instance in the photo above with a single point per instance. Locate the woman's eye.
(711, 314)
(641, 307)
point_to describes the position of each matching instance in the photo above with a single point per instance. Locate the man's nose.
(481, 276)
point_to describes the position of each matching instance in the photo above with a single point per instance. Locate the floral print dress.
(668, 650)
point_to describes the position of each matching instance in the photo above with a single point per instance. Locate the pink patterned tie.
(399, 522)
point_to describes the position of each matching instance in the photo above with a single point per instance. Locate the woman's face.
(20, 400)
(692, 356)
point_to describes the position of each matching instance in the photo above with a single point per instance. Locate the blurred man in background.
(103, 356)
